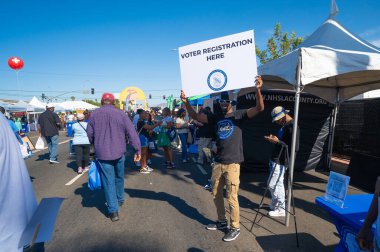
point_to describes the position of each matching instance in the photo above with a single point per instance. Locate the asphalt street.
(166, 210)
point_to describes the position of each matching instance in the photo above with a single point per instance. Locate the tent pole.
(332, 130)
(294, 139)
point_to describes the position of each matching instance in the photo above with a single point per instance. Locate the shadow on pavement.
(175, 201)
(259, 189)
(287, 242)
(43, 156)
(92, 198)
(72, 165)
(195, 250)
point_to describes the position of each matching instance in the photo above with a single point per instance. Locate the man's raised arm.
(259, 99)
(199, 117)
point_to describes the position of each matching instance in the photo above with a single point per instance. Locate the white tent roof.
(75, 105)
(20, 106)
(332, 59)
(37, 103)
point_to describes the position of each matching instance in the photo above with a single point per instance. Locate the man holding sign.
(226, 169)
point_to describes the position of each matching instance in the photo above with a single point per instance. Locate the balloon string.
(18, 83)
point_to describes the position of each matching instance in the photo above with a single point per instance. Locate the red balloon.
(15, 63)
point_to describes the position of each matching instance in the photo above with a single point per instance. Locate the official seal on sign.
(217, 80)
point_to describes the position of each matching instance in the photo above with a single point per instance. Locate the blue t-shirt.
(15, 130)
(80, 134)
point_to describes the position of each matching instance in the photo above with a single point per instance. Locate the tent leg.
(332, 133)
(294, 139)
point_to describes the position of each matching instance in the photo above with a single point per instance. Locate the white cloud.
(375, 42)
(370, 32)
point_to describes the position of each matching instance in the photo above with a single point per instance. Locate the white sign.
(218, 65)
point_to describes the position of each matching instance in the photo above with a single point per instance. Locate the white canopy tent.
(21, 106)
(37, 103)
(333, 64)
(76, 105)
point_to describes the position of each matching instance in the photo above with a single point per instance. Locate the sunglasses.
(225, 101)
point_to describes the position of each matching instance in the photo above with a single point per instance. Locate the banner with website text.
(218, 65)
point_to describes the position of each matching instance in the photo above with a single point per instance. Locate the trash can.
(69, 128)
(24, 128)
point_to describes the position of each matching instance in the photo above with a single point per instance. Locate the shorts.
(144, 141)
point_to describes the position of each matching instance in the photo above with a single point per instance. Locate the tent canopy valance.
(334, 63)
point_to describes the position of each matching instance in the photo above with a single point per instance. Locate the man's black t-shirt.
(49, 122)
(229, 136)
(205, 131)
(144, 132)
(285, 135)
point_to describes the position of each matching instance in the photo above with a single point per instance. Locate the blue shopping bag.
(94, 182)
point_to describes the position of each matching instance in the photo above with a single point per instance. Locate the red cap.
(108, 96)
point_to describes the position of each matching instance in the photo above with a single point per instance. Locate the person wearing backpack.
(81, 144)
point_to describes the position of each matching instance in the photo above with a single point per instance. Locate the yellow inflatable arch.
(132, 94)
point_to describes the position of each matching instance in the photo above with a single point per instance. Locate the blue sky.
(109, 45)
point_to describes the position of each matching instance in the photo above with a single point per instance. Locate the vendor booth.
(331, 63)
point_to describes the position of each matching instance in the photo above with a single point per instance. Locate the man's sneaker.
(144, 170)
(86, 169)
(150, 169)
(80, 170)
(149, 162)
(114, 216)
(53, 161)
(231, 235)
(170, 166)
(219, 225)
(277, 213)
(208, 186)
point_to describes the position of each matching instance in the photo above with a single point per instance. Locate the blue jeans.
(183, 137)
(52, 143)
(112, 176)
(276, 185)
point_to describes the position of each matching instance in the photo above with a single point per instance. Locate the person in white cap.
(277, 164)
(48, 125)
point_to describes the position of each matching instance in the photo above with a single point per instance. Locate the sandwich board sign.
(220, 64)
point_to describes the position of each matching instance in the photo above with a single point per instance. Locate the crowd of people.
(220, 143)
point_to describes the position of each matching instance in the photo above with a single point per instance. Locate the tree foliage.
(95, 103)
(278, 44)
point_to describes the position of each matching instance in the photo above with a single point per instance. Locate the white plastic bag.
(40, 145)
(24, 150)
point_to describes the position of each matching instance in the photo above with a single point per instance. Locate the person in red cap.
(109, 129)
